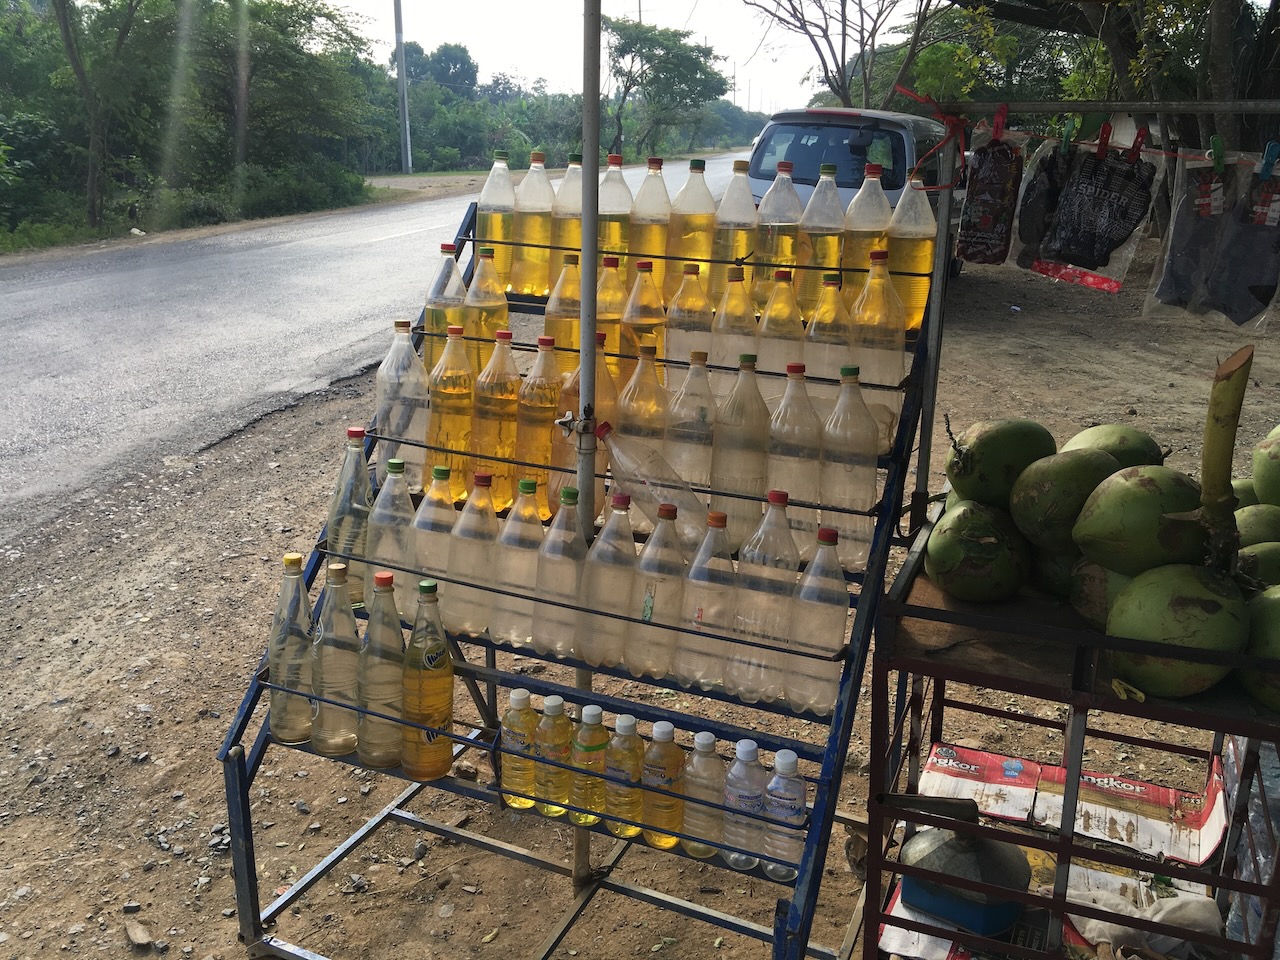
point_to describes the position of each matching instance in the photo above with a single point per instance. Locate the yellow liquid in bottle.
(689, 240)
(856, 261)
(662, 765)
(531, 261)
(483, 320)
(553, 739)
(565, 329)
(648, 241)
(912, 255)
(775, 247)
(450, 426)
(440, 316)
(815, 250)
(536, 412)
(494, 432)
(428, 699)
(565, 232)
(587, 788)
(730, 243)
(493, 226)
(624, 760)
(613, 239)
(517, 771)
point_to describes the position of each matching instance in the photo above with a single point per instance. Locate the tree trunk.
(93, 182)
(913, 47)
(1223, 16)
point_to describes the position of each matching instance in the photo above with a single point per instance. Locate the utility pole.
(406, 156)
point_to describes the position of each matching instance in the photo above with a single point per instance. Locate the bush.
(315, 184)
(33, 236)
(174, 207)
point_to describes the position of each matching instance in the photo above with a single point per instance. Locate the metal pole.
(406, 158)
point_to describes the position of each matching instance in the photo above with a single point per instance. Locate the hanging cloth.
(987, 219)
(1104, 200)
(1246, 269)
(1203, 200)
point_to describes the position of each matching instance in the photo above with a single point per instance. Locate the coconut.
(1048, 495)
(1259, 523)
(1093, 589)
(1246, 496)
(1052, 570)
(1130, 446)
(1264, 641)
(987, 458)
(953, 498)
(1275, 432)
(1130, 522)
(1184, 606)
(1261, 562)
(1266, 470)
(976, 553)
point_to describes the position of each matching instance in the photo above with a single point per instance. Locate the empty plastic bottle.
(781, 334)
(563, 315)
(820, 609)
(401, 413)
(777, 232)
(690, 426)
(663, 765)
(495, 216)
(784, 799)
(553, 740)
(446, 295)
(691, 228)
(537, 406)
(515, 568)
(912, 235)
(642, 469)
(566, 219)
(624, 765)
(465, 608)
(484, 312)
(380, 678)
(690, 314)
(767, 566)
(519, 723)
(611, 303)
(707, 607)
(828, 343)
(564, 449)
(531, 259)
(866, 222)
(335, 656)
(427, 681)
(739, 454)
(744, 787)
(879, 339)
(657, 594)
(390, 541)
(586, 788)
(432, 525)
(560, 560)
(613, 212)
(732, 334)
(795, 444)
(643, 319)
(821, 236)
(734, 239)
(493, 427)
(703, 779)
(453, 387)
(643, 407)
(650, 213)
(347, 528)
(606, 588)
(847, 471)
(289, 657)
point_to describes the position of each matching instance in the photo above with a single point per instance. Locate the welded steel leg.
(240, 824)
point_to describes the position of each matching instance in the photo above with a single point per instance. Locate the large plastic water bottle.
(400, 386)
(795, 443)
(515, 568)
(866, 222)
(739, 454)
(691, 229)
(347, 529)
(495, 215)
(446, 295)
(432, 525)
(566, 221)
(650, 213)
(847, 471)
(704, 774)
(534, 199)
(780, 338)
(289, 657)
(777, 231)
(784, 799)
(645, 474)
(744, 787)
(821, 236)
(390, 540)
(607, 579)
(643, 409)
(380, 680)
(735, 230)
(733, 333)
(465, 608)
(560, 560)
(691, 425)
(335, 654)
(690, 313)
(820, 613)
(879, 342)
(657, 593)
(707, 608)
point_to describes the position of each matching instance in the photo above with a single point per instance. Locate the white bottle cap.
(784, 763)
(591, 713)
(519, 699)
(553, 706)
(705, 742)
(664, 732)
(747, 751)
(625, 724)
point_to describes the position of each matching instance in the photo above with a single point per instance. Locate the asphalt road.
(120, 355)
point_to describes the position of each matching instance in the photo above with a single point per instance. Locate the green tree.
(451, 66)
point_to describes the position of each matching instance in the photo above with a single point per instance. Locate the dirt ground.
(133, 622)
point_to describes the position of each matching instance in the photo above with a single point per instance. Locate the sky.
(532, 39)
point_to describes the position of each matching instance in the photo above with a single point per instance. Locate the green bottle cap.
(831, 278)
(570, 258)
(501, 155)
(575, 158)
(426, 588)
(848, 371)
(697, 165)
(529, 487)
(827, 170)
(569, 496)
(395, 465)
(747, 358)
(486, 251)
(439, 473)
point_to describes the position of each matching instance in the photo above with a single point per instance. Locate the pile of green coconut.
(1140, 550)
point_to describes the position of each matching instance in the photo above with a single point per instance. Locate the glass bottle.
(744, 787)
(690, 424)
(647, 237)
(427, 681)
(795, 445)
(847, 471)
(606, 588)
(780, 339)
(495, 215)
(912, 236)
(537, 406)
(707, 608)
(401, 390)
(643, 319)
(767, 568)
(518, 725)
(735, 232)
(531, 260)
(613, 212)
(691, 229)
(553, 740)
(484, 312)
(390, 541)
(587, 754)
(563, 315)
(732, 334)
(493, 428)
(566, 221)
(879, 339)
(335, 655)
(827, 343)
(432, 524)
(703, 779)
(689, 317)
(347, 527)
(784, 799)
(515, 568)
(639, 467)
(624, 765)
(289, 657)
(866, 222)
(657, 594)
(453, 387)
(663, 765)
(380, 682)
(466, 607)
(446, 295)
(739, 454)
(560, 560)
(643, 407)
(611, 303)
(821, 609)
(777, 233)
(821, 237)
(564, 449)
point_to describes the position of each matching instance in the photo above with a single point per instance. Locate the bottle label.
(751, 802)
(554, 751)
(646, 608)
(516, 740)
(621, 773)
(660, 775)
(589, 748)
(436, 657)
(785, 806)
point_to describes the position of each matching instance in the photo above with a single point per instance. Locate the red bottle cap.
(486, 479)
(610, 261)
(666, 511)
(546, 341)
(796, 368)
(454, 331)
(502, 335)
(355, 433)
(783, 275)
(692, 269)
(384, 578)
(827, 536)
(621, 501)
(600, 338)
(785, 166)
(717, 520)
(448, 248)
(872, 170)
(779, 497)
(615, 158)
(603, 429)
(879, 256)
(537, 157)
(645, 266)
(655, 162)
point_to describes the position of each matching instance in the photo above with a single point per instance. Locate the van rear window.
(809, 145)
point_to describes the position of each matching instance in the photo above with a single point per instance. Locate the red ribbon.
(955, 131)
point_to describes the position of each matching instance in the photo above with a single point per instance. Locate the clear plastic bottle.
(495, 216)
(566, 219)
(401, 390)
(538, 405)
(515, 568)
(432, 525)
(879, 341)
(347, 528)
(780, 339)
(657, 594)
(784, 799)
(563, 315)
(624, 761)
(767, 568)
(650, 214)
(465, 608)
(690, 314)
(586, 788)
(663, 766)
(690, 426)
(643, 408)
(821, 609)
(553, 740)
(611, 303)
(564, 449)
(821, 237)
(777, 233)
(390, 543)
(703, 779)
(639, 467)
(518, 725)
(427, 682)
(795, 445)
(847, 472)
(289, 657)
(912, 236)
(744, 787)
(606, 588)
(866, 222)
(732, 334)
(827, 344)
(735, 231)
(335, 656)
(707, 608)
(643, 319)
(739, 454)
(613, 212)
(445, 298)
(531, 260)
(453, 390)
(560, 561)
(380, 678)
(484, 312)
(691, 229)
(493, 429)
